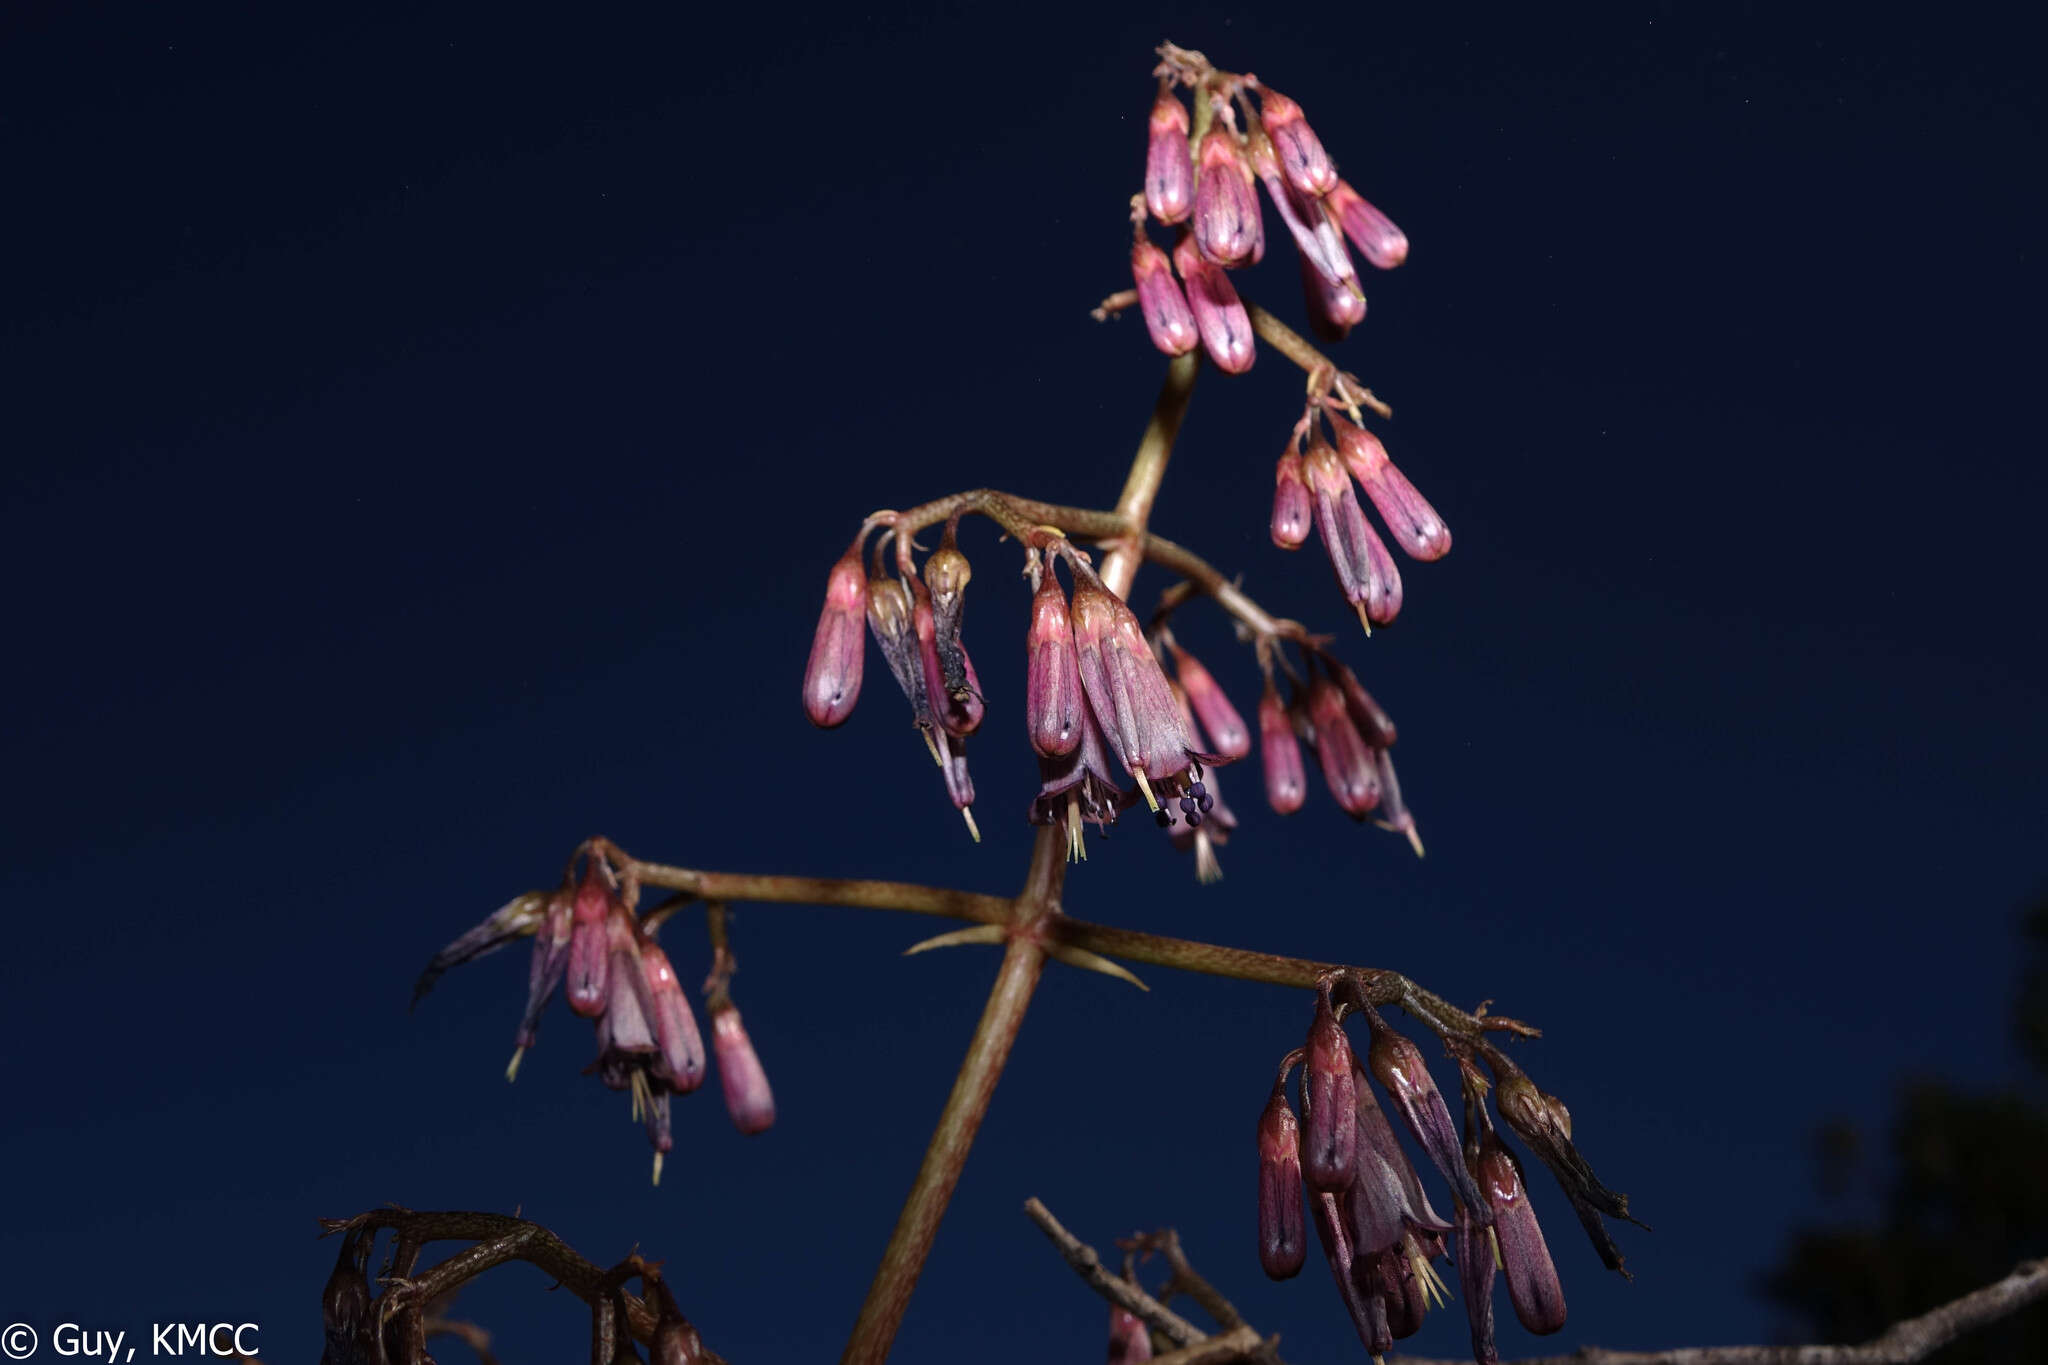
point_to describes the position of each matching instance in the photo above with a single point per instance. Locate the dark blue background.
(426, 438)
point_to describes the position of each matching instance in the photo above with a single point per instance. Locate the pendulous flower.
(1364, 569)
(1346, 762)
(1129, 695)
(1226, 213)
(1053, 704)
(1333, 309)
(1329, 1105)
(748, 1098)
(1292, 516)
(1225, 729)
(1282, 1247)
(832, 677)
(1280, 754)
(1169, 170)
(1220, 316)
(1307, 166)
(1371, 231)
(1168, 319)
(1412, 522)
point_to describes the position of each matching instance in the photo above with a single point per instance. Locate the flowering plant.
(1120, 716)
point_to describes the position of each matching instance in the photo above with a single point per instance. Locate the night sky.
(426, 439)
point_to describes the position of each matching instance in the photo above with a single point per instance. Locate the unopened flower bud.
(1169, 170)
(1302, 158)
(589, 971)
(1329, 1103)
(1226, 730)
(1398, 1066)
(1226, 217)
(1052, 682)
(675, 1023)
(1375, 236)
(1533, 1285)
(1292, 516)
(1410, 519)
(1316, 236)
(1168, 318)
(1280, 755)
(1364, 569)
(747, 1096)
(1129, 1341)
(1220, 316)
(1282, 1246)
(1333, 309)
(1375, 726)
(1345, 760)
(832, 678)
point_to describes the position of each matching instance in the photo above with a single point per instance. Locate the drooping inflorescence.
(592, 944)
(1379, 1234)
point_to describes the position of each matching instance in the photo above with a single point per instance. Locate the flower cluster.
(1378, 1231)
(590, 943)
(1202, 175)
(1313, 489)
(1099, 705)
(1351, 737)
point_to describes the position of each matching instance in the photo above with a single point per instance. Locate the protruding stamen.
(1146, 788)
(657, 1167)
(642, 1100)
(967, 814)
(1077, 851)
(931, 746)
(1363, 619)
(512, 1067)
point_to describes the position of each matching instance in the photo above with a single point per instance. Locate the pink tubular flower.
(747, 1096)
(1226, 216)
(1398, 1066)
(1371, 231)
(1333, 310)
(675, 1023)
(1078, 787)
(1220, 316)
(1375, 726)
(1316, 238)
(1129, 1341)
(1129, 695)
(1168, 319)
(1226, 729)
(1329, 1134)
(1053, 704)
(589, 966)
(832, 677)
(1169, 170)
(1308, 167)
(1282, 1248)
(1410, 519)
(1345, 760)
(1533, 1285)
(1364, 569)
(1291, 515)
(1280, 755)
